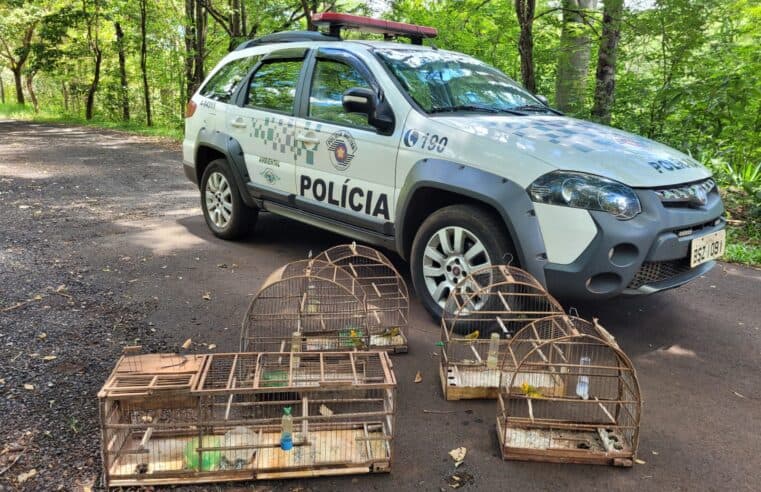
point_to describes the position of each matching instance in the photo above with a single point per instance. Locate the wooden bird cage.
(308, 312)
(388, 300)
(572, 398)
(496, 299)
(169, 419)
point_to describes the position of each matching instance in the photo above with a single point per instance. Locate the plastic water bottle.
(493, 357)
(582, 385)
(286, 432)
(295, 347)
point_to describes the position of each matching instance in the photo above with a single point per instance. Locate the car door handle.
(301, 137)
(238, 123)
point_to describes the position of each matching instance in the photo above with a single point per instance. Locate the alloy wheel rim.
(450, 255)
(219, 200)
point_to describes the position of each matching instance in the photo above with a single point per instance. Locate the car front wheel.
(452, 243)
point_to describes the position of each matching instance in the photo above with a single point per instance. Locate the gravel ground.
(102, 245)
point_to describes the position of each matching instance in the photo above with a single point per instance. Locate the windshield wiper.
(537, 107)
(473, 107)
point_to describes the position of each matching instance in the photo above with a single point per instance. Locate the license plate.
(707, 248)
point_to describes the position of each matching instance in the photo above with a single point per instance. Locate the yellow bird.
(531, 391)
(391, 332)
(472, 335)
(357, 340)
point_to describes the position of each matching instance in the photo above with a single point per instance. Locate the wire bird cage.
(312, 309)
(169, 419)
(388, 300)
(497, 300)
(569, 395)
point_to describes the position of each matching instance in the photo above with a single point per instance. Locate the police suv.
(445, 160)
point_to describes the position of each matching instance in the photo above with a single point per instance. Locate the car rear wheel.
(225, 213)
(450, 244)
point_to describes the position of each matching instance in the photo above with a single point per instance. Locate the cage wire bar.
(388, 299)
(572, 398)
(496, 299)
(323, 308)
(227, 424)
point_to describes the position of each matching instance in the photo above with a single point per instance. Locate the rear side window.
(273, 86)
(221, 86)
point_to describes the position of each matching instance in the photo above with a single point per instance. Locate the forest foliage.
(682, 72)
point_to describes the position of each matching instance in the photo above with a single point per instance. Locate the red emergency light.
(335, 22)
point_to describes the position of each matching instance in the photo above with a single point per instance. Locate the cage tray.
(329, 452)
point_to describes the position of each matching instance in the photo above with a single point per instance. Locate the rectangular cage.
(169, 419)
(570, 399)
(499, 300)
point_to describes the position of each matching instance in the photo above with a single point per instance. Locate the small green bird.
(391, 332)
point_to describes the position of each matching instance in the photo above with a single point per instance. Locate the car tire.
(475, 223)
(223, 208)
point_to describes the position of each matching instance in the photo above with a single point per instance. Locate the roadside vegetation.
(682, 72)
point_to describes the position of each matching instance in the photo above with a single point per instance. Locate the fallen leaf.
(42, 336)
(186, 343)
(61, 288)
(458, 454)
(28, 386)
(26, 476)
(325, 411)
(418, 377)
(2, 381)
(50, 357)
(639, 461)
(207, 296)
(655, 452)
(38, 297)
(212, 346)
(740, 395)
(222, 265)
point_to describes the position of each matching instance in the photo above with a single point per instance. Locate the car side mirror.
(365, 101)
(543, 99)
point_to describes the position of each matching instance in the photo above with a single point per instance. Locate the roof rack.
(287, 37)
(335, 22)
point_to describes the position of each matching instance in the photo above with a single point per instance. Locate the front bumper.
(646, 254)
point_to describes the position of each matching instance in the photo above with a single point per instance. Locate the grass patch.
(25, 113)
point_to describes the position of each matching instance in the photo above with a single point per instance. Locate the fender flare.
(233, 152)
(507, 197)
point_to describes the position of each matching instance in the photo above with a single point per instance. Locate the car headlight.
(579, 190)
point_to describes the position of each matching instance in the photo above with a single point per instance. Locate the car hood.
(578, 145)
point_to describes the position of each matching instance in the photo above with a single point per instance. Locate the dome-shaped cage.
(574, 398)
(387, 295)
(493, 300)
(306, 312)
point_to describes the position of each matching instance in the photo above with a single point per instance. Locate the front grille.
(689, 195)
(655, 271)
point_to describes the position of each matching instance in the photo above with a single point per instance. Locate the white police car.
(445, 160)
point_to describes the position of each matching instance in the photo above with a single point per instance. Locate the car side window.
(330, 80)
(273, 86)
(222, 85)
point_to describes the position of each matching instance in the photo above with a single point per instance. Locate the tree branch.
(216, 15)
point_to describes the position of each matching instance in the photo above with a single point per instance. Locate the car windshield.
(441, 82)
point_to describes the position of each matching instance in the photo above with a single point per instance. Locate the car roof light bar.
(390, 29)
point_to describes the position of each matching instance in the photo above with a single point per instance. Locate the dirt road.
(102, 244)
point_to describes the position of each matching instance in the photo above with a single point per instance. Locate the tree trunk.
(30, 89)
(143, 68)
(200, 48)
(19, 87)
(89, 107)
(65, 93)
(124, 90)
(2, 90)
(524, 9)
(605, 79)
(190, 43)
(573, 60)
